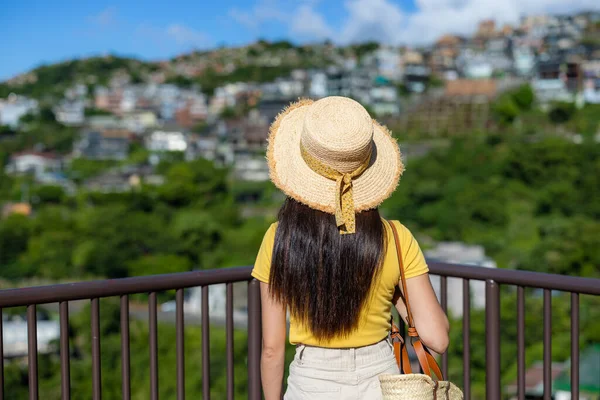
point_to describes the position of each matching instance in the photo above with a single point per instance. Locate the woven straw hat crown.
(331, 156)
(338, 132)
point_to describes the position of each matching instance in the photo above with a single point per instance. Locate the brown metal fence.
(493, 278)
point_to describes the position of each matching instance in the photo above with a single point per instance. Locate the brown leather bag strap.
(426, 360)
(403, 279)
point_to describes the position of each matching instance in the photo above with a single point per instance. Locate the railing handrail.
(154, 283)
(121, 286)
(532, 279)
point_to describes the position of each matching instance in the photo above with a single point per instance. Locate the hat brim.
(293, 176)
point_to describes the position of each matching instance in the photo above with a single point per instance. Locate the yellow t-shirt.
(374, 323)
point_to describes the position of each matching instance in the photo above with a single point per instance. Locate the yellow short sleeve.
(414, 261)
(262, 266)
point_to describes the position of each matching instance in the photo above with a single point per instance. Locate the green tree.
(158, 264)
(561, 112)
(524, 97)
(505, 110)
(15, 231)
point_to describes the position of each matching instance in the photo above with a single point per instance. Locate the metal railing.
(493, 278)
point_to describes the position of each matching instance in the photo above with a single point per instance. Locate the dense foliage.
(527, 195)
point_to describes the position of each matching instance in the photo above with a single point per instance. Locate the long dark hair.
(323, 277)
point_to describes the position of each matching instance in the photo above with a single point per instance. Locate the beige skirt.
(339, 374)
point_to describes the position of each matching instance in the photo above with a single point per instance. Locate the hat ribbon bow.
(344, 203)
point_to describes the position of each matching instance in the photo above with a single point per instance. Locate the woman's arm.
(273, 345)
(430, 320)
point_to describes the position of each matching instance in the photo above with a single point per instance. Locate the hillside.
(258, 62)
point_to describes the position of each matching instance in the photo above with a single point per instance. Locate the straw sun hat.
(331, 156)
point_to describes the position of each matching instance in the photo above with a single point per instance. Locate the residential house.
(108, 99)
(16, 208)
(139, 121)
(110, 182)
(128, 100)
(387, 61)
(355, 83)
(589, 378)
(497, 51)
(591, 77)
(124, 179)
(226, 96)
(475, 65)
(103, 122)
(217, 301)
(166, 139)
(53, 178)
(486, 29)
(245, 141)
(549, 83)
(201, 146)
(534, 381)
(444, 53)
(269, 109)
(109, 144)
(460, 253)
(14, 107)
(523, 61)
(282, 89)
(251, 168)
(318, 84)
(192, 111)
(14, 334)
(415, 73)
(384, 97)
(33, 162)
(71, 113)
(77, 92)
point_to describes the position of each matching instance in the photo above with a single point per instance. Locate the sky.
(38, 32)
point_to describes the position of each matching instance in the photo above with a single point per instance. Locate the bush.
(561, 112)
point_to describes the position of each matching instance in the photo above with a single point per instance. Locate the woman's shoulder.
(402, 230)
(270, 233)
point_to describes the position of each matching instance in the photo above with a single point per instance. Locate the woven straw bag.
(409, 386)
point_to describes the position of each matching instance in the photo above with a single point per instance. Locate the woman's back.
(374, 318)
(331, 261)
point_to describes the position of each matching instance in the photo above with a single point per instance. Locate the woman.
(330, 260)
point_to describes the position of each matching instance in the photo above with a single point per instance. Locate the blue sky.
(36, 32)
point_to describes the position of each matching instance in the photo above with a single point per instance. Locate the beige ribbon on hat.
(344, 202)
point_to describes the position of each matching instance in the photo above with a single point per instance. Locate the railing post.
(1, 358)
(492, 340)
(254, 340)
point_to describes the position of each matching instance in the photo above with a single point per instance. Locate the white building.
(70, 113)
(14, 107)
(139, 121)
(14, 335)
(388, 62)
(548, 90)
(217, 302)
(460, 253)
(524, 61)
(161, 140)
(318, 84)
(251, 168)
(35, 163)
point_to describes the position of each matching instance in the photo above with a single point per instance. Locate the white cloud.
(437, 17)
(185, 35)
(385, 21)
(378, 20)
(263, 11)
(175, 35)
(106, 17)
(308, 24)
